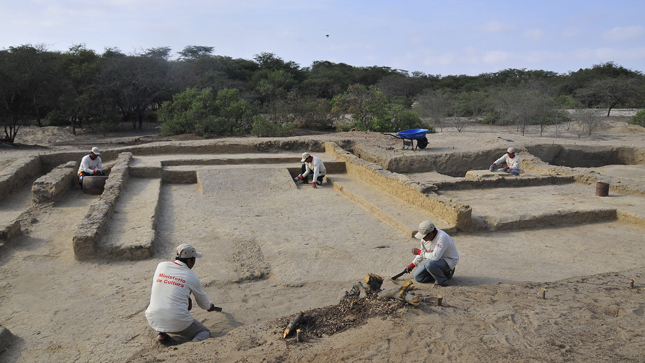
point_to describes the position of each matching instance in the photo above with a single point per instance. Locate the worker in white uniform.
(170, 301)
(512, 162)
(436, 259)
(91, 165)
(312, 166)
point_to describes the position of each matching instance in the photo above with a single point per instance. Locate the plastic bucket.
(602, 189)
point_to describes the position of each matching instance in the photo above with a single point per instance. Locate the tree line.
(207, 94)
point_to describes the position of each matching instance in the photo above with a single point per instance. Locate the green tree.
(135, 83)
(610, 92)
(195, 52)
(204, 113)
(81, 98)
(28, 86)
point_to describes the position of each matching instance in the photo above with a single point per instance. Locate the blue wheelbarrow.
(408, 137)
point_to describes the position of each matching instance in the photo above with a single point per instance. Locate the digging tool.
(399, 275)
(509, 140)
(293, 324)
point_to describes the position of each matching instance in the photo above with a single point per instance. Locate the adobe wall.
(18, 175)
(54, 185)
(91, 228)
(403, 188)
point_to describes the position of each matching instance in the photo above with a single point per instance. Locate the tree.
(161, 53)
(401, 88)
(528, 104)
(435, 105)
(134, 84)
(204, 113)
(586, 121)
(81, 98)
(28, 86)
(195, 52)
(610, 92)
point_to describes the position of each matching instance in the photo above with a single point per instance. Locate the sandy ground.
(273, 248)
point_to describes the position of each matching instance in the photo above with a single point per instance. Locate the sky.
(434, 37)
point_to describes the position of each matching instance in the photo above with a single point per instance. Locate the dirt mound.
(350, 312)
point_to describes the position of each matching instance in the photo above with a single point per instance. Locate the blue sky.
(434, 37)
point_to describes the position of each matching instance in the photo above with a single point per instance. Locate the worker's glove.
(492, 167)
(297, 178)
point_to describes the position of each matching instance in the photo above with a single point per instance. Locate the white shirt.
(442, 246)
(171, 287)
(317, 166)
(513, 163)
(88, 165)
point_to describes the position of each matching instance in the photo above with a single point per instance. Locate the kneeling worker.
(91, 165)
(512, 162)
(170, 298)
(312, 165)
(440, 255)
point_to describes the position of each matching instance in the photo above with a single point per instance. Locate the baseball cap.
(425, 228)
(510, 150)
(185, 250)
(305, 156)
(95, 151)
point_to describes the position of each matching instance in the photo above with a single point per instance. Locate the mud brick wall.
(403, 188)
(91, 228)
(18, 174)
(54, 185)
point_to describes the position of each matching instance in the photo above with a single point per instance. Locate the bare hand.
(416, 251)
(314, 185)
(408, 269)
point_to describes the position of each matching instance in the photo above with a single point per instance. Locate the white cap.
(185, 250)
(425, 228)
(305, 156)
(510, 150)
(95, 151)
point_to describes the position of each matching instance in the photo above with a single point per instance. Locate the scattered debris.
(362, 302)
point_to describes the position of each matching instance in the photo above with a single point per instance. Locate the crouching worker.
(512, 162)
(437, 258)
(91, 165)
(314, 166)
(170, 301)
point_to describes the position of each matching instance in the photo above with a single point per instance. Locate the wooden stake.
(617, 310)
(299, 335)
(631, 283)
(292, 325)
(439, 300)
(544, 293)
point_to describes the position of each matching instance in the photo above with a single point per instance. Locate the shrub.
(56, 118)
(408, 120)
(265, 128)
(203, 113)
(638, 118)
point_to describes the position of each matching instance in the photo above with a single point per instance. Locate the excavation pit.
(272, 247)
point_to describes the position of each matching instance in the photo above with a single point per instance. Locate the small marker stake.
(299, 335)
(544, 293)
(631, 283)
(439, 300)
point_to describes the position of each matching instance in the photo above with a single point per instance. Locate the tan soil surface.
(273, 248)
